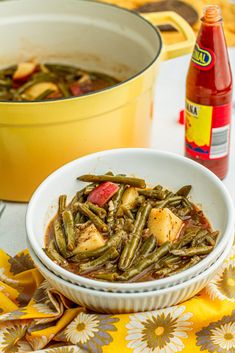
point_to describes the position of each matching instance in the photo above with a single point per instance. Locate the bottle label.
(203, 58)
(207, 130)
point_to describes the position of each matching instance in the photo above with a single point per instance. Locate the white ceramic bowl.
(155, 167)
(106, 302)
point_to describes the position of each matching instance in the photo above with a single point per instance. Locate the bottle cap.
(212, 13)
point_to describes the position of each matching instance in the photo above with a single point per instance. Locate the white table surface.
(167, 135)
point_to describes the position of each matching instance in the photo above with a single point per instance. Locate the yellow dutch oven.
(38, 137)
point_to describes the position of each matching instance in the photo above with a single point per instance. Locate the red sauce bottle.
(209, 96)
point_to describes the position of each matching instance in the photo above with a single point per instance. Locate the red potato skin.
(103, 193)
(17, 81)
(75, 90)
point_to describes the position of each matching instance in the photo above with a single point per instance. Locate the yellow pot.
(38, 137)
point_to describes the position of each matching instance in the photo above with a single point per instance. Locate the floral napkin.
(36, 318)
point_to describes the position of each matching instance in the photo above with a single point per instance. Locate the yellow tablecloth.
(228, 13)
(34, 317)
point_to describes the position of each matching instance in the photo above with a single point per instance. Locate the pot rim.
(117, 8)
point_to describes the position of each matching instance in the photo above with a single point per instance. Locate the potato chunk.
(37, 89)
(164, 224)
(90, 239)
(129, 199)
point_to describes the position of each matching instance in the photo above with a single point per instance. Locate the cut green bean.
(44, 94)
(60, 238)
(193, 261)
(62, 204)
(116, 203)
(200, 250)
(139, 183)
(69, 229)
(100, 225)
(131, 246)
(142, 264)
(148, 246)
(110, 254)
(54, 255)
(64, 89)
(184, 191)
(99, 211)
(153, 193)
(199, 237)
(110, 277)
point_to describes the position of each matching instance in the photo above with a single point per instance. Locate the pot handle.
(169, 17)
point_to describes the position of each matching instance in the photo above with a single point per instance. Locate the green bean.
(210, 240)
(119, 225)
(5, 82)
(162, 272)
(100, 211)
(100, 225)
(146, 262)
(184, 211)
(184, 191)
(112, 276)
(214, 235)
(193, 261)
(128, 225)
(127, 212)
(9, 71)
(186, 238)
(69, 229)
(140, 200)
(64, 89)
(148, 246)
(187, 203)
(162, 204)
(131, 246)
(153, 193)
(116, 203)
(53, 254)
(171, 259)
(158, 187)
(199, 237)
(44, 77)
(25, 86)
(202, 250)
(44, 94)
(62, 204)
(114, 241)
(110, 254)
(60, 238)
(140, 183)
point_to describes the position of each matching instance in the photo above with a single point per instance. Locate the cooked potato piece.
(90, 239)
(164, 224)
(37, 89)
(24, 70)
(129, 198)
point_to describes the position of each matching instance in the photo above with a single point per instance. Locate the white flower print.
(223, 284)
(82, 328)
(159, 331)
(219, 336)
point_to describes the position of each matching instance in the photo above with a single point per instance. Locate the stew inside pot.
(117, 229)
(30, 81)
